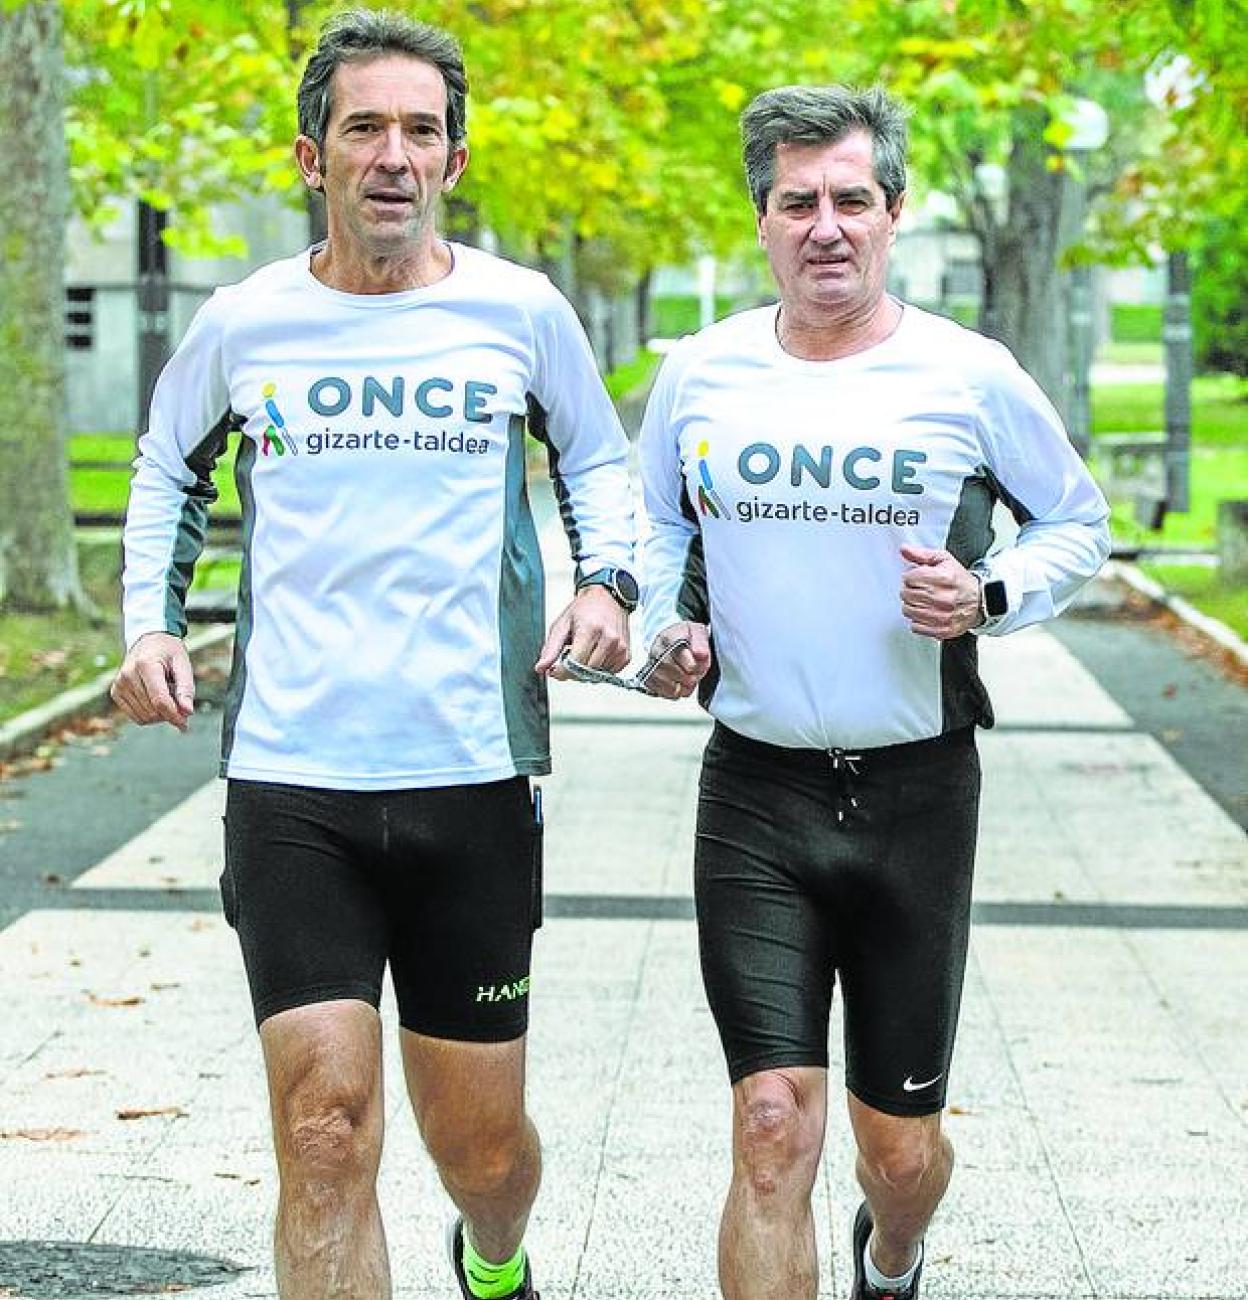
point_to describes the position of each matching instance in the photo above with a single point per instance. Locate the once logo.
(708, 499)
(277, 438)
(761, 462)
(435, 397)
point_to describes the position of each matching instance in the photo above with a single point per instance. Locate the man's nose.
(390, 153)
(827, 226)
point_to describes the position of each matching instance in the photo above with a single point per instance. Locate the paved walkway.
(1099, 1096)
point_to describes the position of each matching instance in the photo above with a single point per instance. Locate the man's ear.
(455, 166)
(308, 159)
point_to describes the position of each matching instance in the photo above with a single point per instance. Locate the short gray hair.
(361, 35)
(823, 115)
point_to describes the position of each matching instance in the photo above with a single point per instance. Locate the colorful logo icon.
(709, 501)
(277, 438)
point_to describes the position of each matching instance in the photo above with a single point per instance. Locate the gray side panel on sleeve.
(192, 528)
(521, 615)
(963, 696)
(244, 613)
(537, 427)
(693, 601)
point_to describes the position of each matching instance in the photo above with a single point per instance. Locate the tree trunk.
(38, 564)
(643, 308)
(1024, 290)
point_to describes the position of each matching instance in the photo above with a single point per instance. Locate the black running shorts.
(811, 864)
(326, 886)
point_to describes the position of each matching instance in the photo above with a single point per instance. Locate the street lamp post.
(1171, 84)
(1176, 334)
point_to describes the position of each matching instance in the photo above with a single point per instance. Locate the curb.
(1210, 627)
(23, 733)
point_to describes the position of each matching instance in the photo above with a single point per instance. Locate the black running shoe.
(863, 1290)
(455, 1248)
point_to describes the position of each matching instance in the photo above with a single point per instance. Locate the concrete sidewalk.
(1099, 1095)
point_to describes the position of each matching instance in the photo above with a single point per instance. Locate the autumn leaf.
(137, 1112)
(42, 1134)
(49, 660)
(132, 1001)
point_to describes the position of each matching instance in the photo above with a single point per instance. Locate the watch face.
(995, 601)
(626, 585)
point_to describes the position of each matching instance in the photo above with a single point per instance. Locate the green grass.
(42, 655)
(1133, 322)
(678, 314)
(1202, 587)
(1131, 354)
(1217, 474)
(105, 491)
(632, 375)
(1219, 409)
(101, 446)
(217, 572)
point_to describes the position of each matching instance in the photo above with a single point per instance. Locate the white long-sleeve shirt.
(391, 602)
(779, 492)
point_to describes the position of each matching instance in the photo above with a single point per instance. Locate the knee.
(478, 1156)
(776, 1137)
(903, 1160)
(329, 1138)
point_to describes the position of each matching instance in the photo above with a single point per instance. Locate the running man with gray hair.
(820, 478)
(387, 706)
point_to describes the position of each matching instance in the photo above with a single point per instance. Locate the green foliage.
(1220, 297)
(613, 127)
(182, 106)
(1203, 586)
(1135, 322)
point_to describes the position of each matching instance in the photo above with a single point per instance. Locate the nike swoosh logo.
(911, 1086)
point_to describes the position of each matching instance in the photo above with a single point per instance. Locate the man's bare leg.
(766, 1236)
(904, 1166)
(469, 1103)
(325, 1095)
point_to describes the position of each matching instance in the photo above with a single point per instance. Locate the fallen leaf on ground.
(80, 1073)
(50, 659)
(137, 1112)
(42, 1134)
(132, 1001)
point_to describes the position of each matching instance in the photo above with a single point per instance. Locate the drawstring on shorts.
(844, 770)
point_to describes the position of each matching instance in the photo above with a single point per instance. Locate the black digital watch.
(994, 600)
